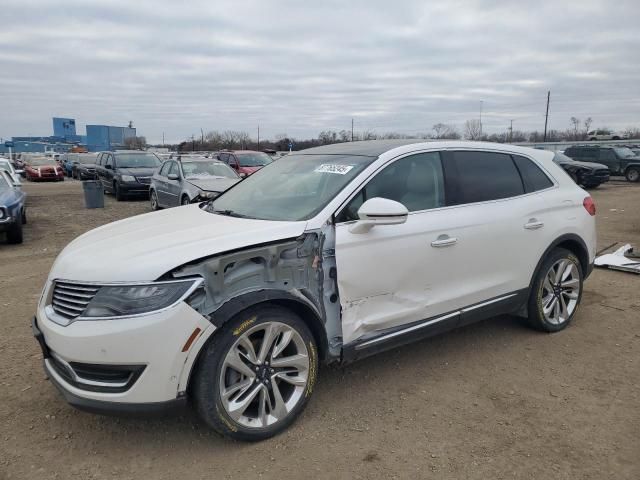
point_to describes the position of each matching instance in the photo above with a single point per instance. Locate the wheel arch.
(571, 242)
(303, 308)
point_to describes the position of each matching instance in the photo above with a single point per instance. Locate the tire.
(14, 234)
(593, 139)
(24, 217)
(154, 200)
(185, 200)
(632, 174)
(214, 373)
(616, 138)
(547, 293)
(117, 192)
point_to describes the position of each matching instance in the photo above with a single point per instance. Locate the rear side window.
(533, 178)
(483, 176)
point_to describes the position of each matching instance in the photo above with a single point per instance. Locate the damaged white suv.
(327, 255)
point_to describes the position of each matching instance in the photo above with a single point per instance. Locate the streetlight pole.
(480, 119)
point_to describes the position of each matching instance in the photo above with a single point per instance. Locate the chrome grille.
(144, 180)
(70, 299)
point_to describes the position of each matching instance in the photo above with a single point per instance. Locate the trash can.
(93, 194)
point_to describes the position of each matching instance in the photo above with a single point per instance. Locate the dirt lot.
(491, 401)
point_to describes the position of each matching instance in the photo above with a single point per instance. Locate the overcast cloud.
(302, 67)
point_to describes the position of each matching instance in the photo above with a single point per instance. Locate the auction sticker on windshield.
(333, 168)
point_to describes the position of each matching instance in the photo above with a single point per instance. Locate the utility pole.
(352, 129)
(193, 143)
(163, 139)
(258, 137)
(546, 117)
(511, 132)
(201, 137)
(480, 119)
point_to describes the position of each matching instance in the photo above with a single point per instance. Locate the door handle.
(533, 224)
(444, 241)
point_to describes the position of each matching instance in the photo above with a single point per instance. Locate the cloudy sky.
(301, 67)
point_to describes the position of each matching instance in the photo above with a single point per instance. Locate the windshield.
(87, 158)
(5, 165)
(254, 159)
(39, 162)
(4, 185)
(204, 169)
(624, 152)
(562, 158)
(294, 188)
(137, 160)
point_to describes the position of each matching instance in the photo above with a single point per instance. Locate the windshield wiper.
(229, 213)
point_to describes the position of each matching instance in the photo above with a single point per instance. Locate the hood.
(213, 184)
(147, 246)
(138, 171)
(7, 197)
(588, 165)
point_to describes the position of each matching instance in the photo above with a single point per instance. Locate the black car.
(84, 168)
(126, 172)
(619, 160)
(585, 174)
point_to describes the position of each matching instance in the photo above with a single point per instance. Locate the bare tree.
(587, 126)
(135, 143)
(472, 129)
(444, 131)
(575, 125)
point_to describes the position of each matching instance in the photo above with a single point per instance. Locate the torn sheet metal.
(618, 261)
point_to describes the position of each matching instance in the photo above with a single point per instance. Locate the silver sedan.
(188, 180)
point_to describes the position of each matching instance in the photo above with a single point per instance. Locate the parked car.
(67, 161)
(619, 160)
(7, 166)
(42, 168)
(327, 255)
(13, 211)
(126, 172)
(191, 179)
(85, 166)
(605, 134)
(245, 162)
(587, 175)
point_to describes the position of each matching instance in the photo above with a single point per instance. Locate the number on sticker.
(333, 168)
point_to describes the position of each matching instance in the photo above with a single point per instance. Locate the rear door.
(109, 170)
(609, 158)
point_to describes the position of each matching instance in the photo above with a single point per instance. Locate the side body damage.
(298, 273)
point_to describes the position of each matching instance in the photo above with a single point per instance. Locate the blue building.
(105, 137)
(64, 127)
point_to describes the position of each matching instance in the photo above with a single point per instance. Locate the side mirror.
(173, 176)
(379, 211)
(243, 175)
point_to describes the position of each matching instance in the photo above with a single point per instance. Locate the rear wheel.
(154, 200)
(256, 374)
(632, 174)
(556, 291)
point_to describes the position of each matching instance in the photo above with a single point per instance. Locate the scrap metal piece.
(618, 261)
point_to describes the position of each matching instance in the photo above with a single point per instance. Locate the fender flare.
(583, 255)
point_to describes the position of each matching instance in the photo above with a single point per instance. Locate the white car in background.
(605, 134)
(327, 255)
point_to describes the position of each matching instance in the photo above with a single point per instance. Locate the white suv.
(606, 135)
(327, 255)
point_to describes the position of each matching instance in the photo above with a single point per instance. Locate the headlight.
(128, 300)
(2, 214)
(128, 178)
(209, 194)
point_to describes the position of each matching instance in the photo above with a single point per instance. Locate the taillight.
(589, 205)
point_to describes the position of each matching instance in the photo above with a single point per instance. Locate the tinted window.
(486, 176)
(534, 179)
(108, 159)
(607, 154)
(415, 181)
(253, 159)
(137, 160)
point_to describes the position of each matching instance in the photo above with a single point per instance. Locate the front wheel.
(185, 200)
(632, 174)
(556, 291)
(154, 200)
(117, 192)
(256, 374)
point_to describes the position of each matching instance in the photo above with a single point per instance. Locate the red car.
(43, 168)
(244, 162)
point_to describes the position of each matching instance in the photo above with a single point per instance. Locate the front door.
(393, 275)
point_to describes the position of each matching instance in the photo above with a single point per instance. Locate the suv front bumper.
(86, 360)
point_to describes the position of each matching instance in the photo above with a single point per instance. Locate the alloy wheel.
(264, 375)
(154, 200)
(560, 291)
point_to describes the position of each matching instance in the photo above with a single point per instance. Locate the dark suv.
(126, 172)
(585, 174)
(619, 160)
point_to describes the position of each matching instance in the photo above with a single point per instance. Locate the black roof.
(369, 148)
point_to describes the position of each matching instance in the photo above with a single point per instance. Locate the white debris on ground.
(618, 261)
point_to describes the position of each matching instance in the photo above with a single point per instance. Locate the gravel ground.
(493, 400)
